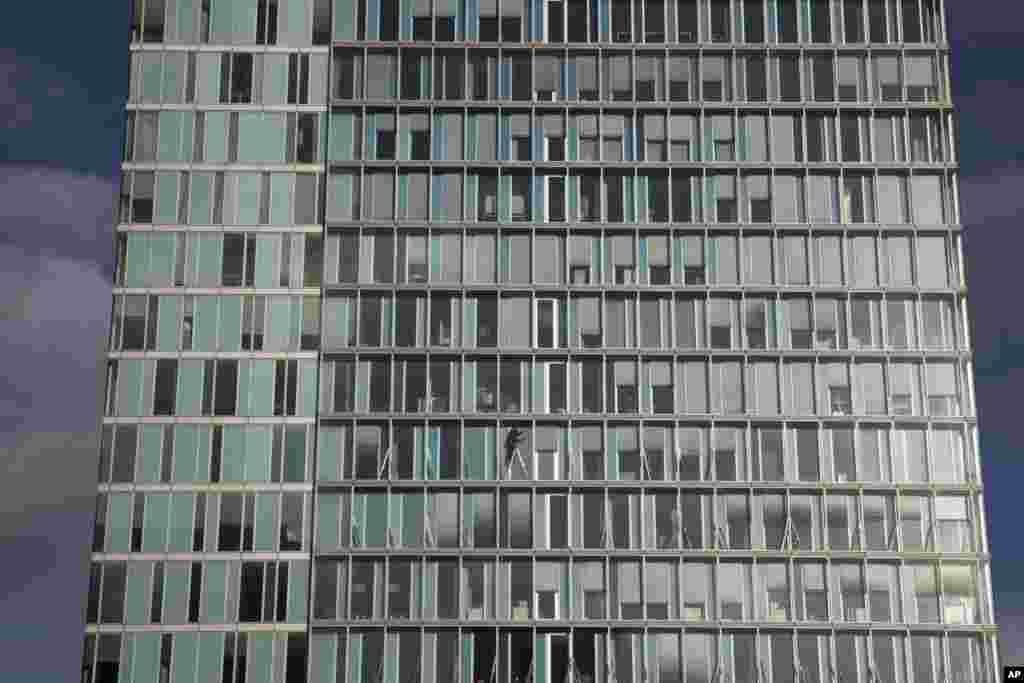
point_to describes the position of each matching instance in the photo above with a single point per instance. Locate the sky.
(63, 84)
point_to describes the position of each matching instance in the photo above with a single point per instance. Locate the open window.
(549, 596)
(943, 396)
(553, 512)
(681, 78)
(735, 596)
(554, 143)
(546, 324)
(830, 324)
(588, 316)
(715, 78)
(755, 323)
(622, 388)
(552, 387)
(851, 85)
(835, 387)
(650, 80)
(798, 322)
(719, 21)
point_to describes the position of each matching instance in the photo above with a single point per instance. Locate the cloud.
(48, 112)
(1011, 640)
(51, 338)
(59, 212)
(43, 594)
(47, 471)
(996, 194)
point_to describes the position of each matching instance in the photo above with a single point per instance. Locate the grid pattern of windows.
(202, 547)
(539, 340)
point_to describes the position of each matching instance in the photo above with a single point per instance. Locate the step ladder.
(790, 537)
(385, 464)
(516, 457)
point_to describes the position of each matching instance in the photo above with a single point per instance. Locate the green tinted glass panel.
(376, 519)
(341, 137)
(298, 592)
(145, 656)
(208, 80)
(137, 593)
(261, 657)
(295, 454)
(129, 387)
(214, 593)
(183, 20)
(295, 24)
(167, 323)
(170, 131)
(344, 24)
(190, 387)
(328, 519)
(119, 522)
(200, 198)
(275, 81)
(248, 198)
(262, 388)
(208, 263)
(183, 665)
(211, 656)
(265, 513)
(281, 202)
(323, 657)
(216, 127)
(204, 323)
(233, 453)
(279, 324)
(136, 260)
(154, 534)
(162, 262)
(151, 76)
(184, 462)
(231, 323)
(176, 585)
(307, 388)
(182, 507)
(329, 456)
(148, 460)
(257, 453)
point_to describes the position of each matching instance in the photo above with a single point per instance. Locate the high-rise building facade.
(539, 340)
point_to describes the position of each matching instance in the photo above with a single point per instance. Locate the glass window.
(798, 314)
(933, 264)
(927, 200)
(887, 78)
(758, 256)
(588, 312)
(715, 82)
(870, 392)
(921, 81)
(515, 321)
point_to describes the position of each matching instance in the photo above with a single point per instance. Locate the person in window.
(513, 440)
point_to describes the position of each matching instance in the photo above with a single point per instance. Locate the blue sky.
(63, 83)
